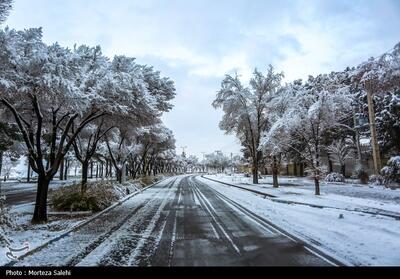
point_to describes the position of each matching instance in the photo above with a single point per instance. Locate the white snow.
(37, 235)
(353, 237)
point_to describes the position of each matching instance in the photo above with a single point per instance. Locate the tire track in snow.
(173, 239)
(117, 249)
(147, 234)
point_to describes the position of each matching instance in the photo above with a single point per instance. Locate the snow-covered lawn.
(347, 195)
(58, 223)
(339, 229)
(34, 235)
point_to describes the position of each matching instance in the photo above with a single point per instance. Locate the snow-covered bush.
(361, 174)
(99, 195)
(334, 177)
(391, 172)
(376, 179)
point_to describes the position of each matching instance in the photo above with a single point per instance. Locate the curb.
(84, 223)
(243, 188)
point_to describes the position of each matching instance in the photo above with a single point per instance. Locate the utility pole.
(183, 151)
(374, 139)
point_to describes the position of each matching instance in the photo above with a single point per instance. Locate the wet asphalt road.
(179, 222)
(18, 193)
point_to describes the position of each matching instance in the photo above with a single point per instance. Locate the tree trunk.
(61, 171)
(316, 182)
(343, 169)
(106, 169)
(118, 173)
(317, 172)
(275, 179)
(91, 169)
(255, 173)
(28, 175)
(330, 165)
(301, 169)
(40, 212)
(110, 171)
(295, 169)
(85, 168)
(275, 173)
(1, 161)
(66, 169)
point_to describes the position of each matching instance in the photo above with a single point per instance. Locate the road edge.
(84, 223)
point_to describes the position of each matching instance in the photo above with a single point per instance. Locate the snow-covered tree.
(381, 76)
(52, 94)
(9, 135)
(391, 172)
(340, 151)
(9, 162)
(85, 147)
(320, 106)
(217, 161)
(277, 107)
(120, 145)
(245, 112)
(192, 163)
(155, 141)
(5, 7)
(39, 89)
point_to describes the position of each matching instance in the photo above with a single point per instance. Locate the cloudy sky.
(196, 42)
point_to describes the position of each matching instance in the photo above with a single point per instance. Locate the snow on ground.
(58, 224)
(353, 237)
(347, 196)
(34, 235)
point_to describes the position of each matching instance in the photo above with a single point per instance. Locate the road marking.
(201, 197)
(179, 198)
(251, 214)
(217, 236)
(262, 226)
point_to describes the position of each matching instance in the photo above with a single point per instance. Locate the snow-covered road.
(181, 221)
